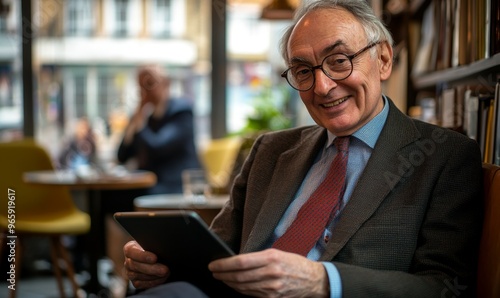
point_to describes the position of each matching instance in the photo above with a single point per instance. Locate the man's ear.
(385, 58)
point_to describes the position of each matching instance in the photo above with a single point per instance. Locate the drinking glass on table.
(194, 184)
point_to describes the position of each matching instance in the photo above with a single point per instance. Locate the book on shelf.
(495, 28)
(444, 34)
(481, 122)
(491, 131)
(487, 28)
(480, 18)
(472, 111)
(460, 106)
(457, 32)
(451, 108)
(461, 47)
(425, 51)
(485, 123)
(448, 113)
(496, 125)
(438, 43)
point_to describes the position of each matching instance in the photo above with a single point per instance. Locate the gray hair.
(374, 29)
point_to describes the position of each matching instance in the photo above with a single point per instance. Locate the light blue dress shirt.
(360, 148)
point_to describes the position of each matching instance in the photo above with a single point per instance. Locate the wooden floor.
(44, 285)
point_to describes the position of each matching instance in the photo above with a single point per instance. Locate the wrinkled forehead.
(321, 28)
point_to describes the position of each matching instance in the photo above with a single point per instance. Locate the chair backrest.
(22, 156)
(488, 277)
(219, 158)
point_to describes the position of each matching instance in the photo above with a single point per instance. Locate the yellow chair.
(218, 159)
(488, 275)
(35, 210)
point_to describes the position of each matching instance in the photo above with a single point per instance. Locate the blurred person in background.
(160, 134)
(158, 138)
(81, 150)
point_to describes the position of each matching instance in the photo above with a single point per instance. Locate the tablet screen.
(180, 239)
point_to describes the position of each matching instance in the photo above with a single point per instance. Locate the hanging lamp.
(278, 10)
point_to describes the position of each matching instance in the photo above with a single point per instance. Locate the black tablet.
(180, 239)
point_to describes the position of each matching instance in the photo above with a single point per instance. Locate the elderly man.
(367, 203)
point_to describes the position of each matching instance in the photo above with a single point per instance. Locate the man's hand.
(144, 110)
(142, 268)
(138, 121)
(272, 273)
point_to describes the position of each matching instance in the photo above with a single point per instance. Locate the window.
(79, 18)
(7, 14)
(161, 18)
(80, 81)
(10, 105)
(3, 23)
(6, 99)
(107, 95)
(121, 17)
(167, 18)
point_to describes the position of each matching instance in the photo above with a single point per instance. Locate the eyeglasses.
(335, 66)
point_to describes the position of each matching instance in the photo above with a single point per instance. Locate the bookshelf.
(460, 74)
(454, 67)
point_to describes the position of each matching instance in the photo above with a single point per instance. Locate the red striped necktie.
(314, 215)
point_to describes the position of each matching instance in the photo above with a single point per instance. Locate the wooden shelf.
(472, 71)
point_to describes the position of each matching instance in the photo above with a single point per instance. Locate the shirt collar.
(369, 132)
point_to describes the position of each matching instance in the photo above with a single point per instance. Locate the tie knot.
(342, 143)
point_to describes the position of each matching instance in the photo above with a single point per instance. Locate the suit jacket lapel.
(289, 173)
(381, 173)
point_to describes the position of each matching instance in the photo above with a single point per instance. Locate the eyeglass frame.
(320, 66)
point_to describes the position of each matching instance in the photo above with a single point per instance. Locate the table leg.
(95, 243)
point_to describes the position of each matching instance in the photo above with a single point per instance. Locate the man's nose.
(322, 83)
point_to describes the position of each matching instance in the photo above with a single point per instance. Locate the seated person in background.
(81, 147)
(160, 134)
(405, 222)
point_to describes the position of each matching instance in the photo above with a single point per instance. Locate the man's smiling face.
(342, 106)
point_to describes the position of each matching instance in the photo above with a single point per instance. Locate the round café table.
(206, 206)
(93, 184)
